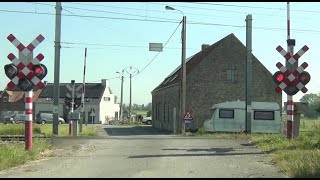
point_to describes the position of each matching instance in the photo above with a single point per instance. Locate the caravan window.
(263, 115)
(226, 113)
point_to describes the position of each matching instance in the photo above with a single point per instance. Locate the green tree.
(314, 105)
(115, 99)
(149, 106)
(310, 98)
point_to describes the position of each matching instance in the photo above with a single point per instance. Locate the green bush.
(200, 131)
(135, 123)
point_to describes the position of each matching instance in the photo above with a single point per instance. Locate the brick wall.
(207, 84)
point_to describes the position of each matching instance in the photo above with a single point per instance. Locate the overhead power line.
(232, 5)
(99, 80)
(215, 4)
(159, 51)
(149, 20)
(253, 7)
(113, 45)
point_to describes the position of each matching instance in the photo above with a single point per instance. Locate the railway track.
(19, 137)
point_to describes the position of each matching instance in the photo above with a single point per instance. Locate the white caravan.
(231, 116)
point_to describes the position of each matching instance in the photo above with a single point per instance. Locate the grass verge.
(13, 154)
(63, 130)
(45, 129)
(297, 158)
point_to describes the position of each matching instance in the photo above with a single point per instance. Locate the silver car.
(15, 119)
(147, 120)
(44, 118)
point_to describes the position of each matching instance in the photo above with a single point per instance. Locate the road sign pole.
(28, 120)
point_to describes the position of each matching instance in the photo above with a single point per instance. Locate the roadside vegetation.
(13, 153)
(140, 112)
(126, 123)
(46, 129)
(297, 157)
(135, 123)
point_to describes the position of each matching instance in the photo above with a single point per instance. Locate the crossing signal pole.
(25, 74)
(291, 78)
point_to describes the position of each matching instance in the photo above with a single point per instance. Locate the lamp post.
(121, 98)
(183, 68)
(131, 71)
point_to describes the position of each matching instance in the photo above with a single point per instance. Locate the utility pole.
(131, 73)
(56, 92)
(249, 72)
(83, 92)
(130, 97)
(121, 100)
(183, 68)
(71, 107)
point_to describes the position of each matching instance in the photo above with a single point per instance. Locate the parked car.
(8, 119)
(15, 119)
(44, 118)
(147, 120)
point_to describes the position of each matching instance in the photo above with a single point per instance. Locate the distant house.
(97, 96)
(215, 74)
(13, 101)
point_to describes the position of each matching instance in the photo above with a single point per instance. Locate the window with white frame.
(106, 98)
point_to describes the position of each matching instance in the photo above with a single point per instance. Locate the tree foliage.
(314, 105)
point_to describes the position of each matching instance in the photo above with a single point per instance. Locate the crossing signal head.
(39, 70)
(25, 84)
(77, 103)
(10, 70)
(291, 89)
(304, 77)
(278, 77)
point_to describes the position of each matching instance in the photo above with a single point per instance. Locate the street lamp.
(131, 71)
(121, 98)
(183, 68)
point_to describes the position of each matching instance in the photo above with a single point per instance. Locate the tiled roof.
(61, 100)
(92, 90)
(191, 62)
(18, 96)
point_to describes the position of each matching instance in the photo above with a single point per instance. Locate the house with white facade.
(98, 96)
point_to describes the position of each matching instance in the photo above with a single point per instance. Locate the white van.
(231, 117)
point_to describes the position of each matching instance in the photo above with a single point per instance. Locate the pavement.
(142, 151)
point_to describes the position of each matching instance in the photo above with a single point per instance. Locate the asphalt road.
(125, 151)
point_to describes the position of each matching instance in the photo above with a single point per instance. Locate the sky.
(117, 37)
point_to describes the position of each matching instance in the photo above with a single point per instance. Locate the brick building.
(215, 74)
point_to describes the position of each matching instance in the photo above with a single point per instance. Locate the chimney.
(204, 46)
(104, 83)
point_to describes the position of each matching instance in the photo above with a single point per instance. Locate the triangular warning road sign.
(188, 116)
